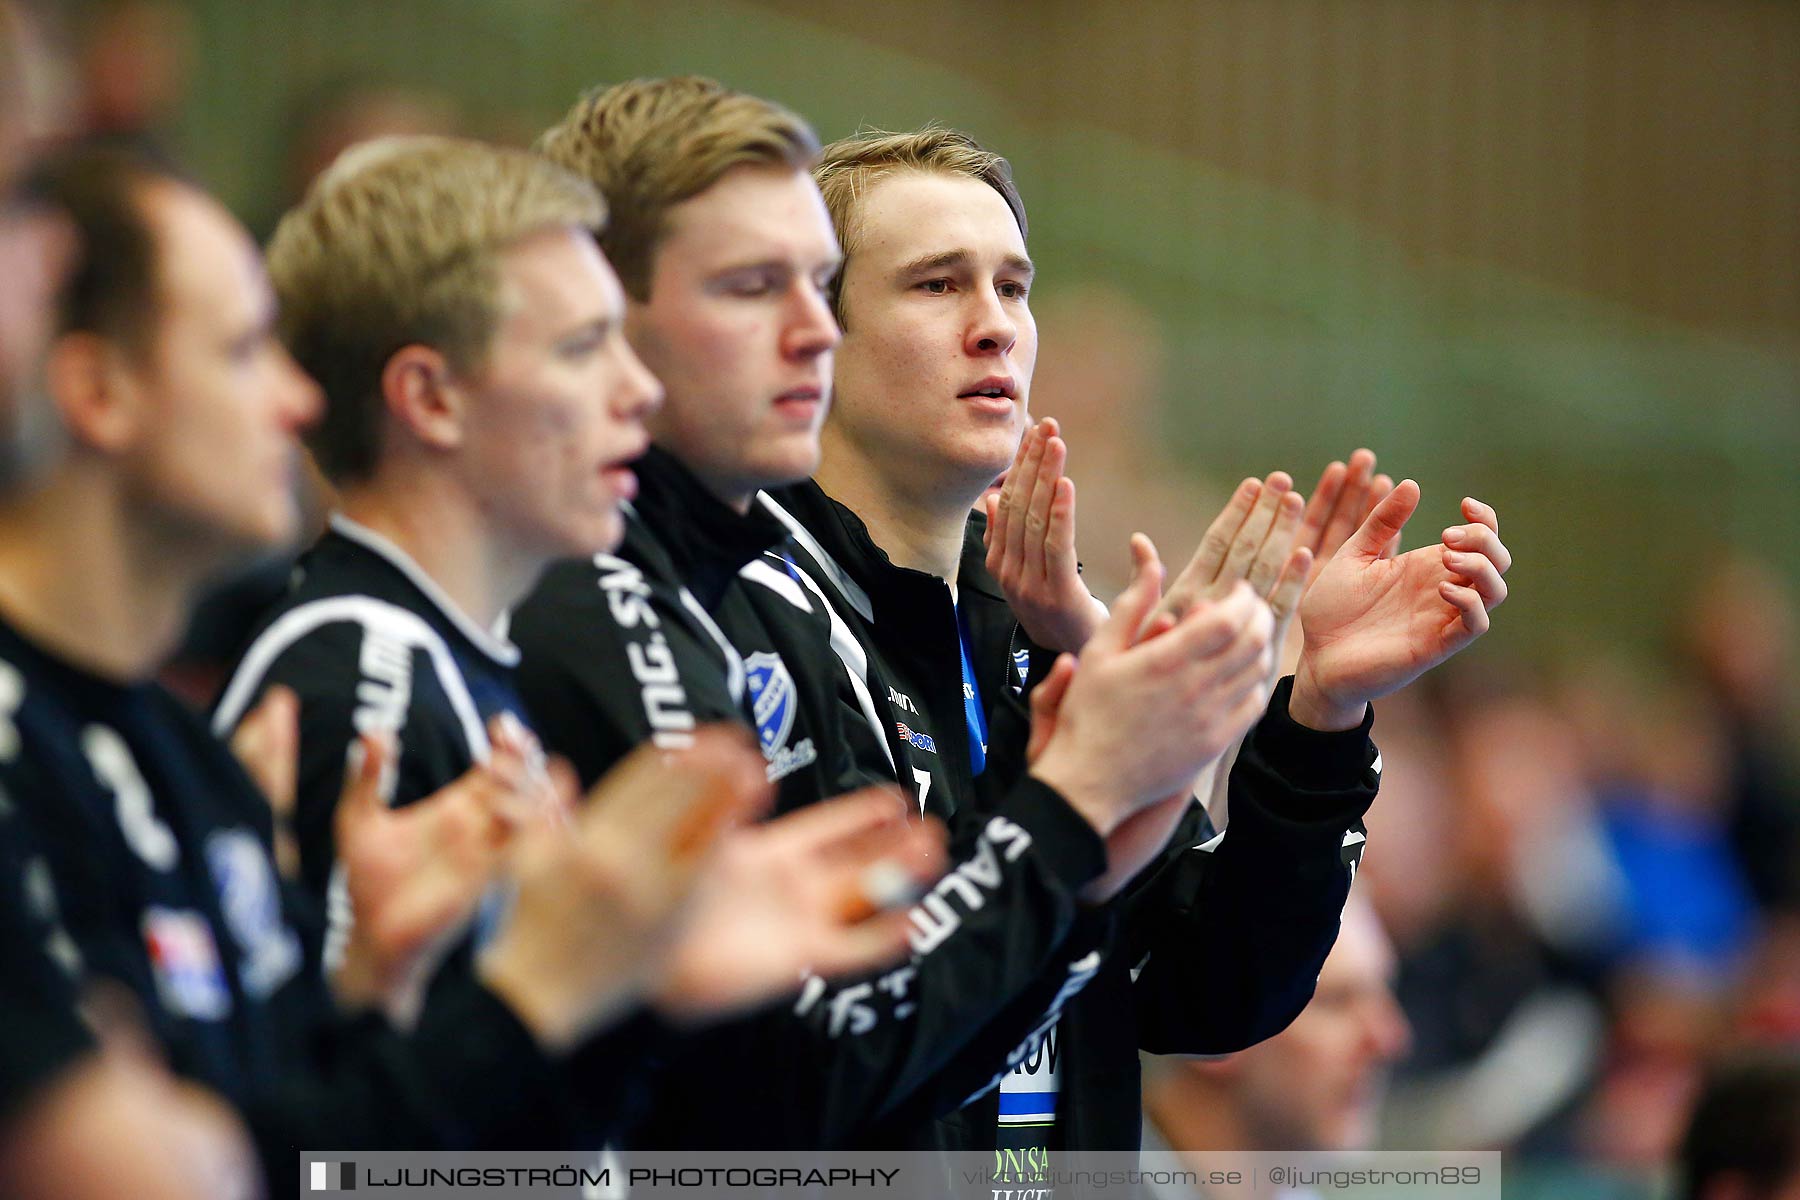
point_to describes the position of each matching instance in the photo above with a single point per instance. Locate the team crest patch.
(771, 698)
(773, 704)
(1022, 664)
(250, 899)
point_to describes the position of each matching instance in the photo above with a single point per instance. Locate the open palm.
(1374, 620)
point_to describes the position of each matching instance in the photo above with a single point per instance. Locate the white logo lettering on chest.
(652, 663)
(901, 700)
(935, 919)
(385, 689)
(133, 806)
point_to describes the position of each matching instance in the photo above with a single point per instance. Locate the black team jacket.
(1216, 946)
(367, 640)
(158, 848)
(697, 618)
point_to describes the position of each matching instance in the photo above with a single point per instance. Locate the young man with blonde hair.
(482, 411)
(151, 849)
(1213, 950)
(710, 609)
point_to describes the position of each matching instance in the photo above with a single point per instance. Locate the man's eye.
(936, 287)
(1013, 291)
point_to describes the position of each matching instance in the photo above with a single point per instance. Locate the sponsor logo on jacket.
(190, 979)
(915, 738)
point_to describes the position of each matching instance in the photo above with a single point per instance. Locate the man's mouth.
(618, 473)
(801, 403)
(995, 387)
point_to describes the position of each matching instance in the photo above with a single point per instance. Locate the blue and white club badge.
(250, 899)
(771, 699)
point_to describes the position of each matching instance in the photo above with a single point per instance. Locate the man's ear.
(422, 394)
(96, 393)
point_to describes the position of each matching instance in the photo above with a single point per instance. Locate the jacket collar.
(706, 540)
(843, 536)
(487, 641)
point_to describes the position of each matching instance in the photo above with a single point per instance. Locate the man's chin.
(782, 465)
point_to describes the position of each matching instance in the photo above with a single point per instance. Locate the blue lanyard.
(978, 739)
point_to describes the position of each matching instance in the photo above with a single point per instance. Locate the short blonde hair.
(849, 167)
(398, 244)
(650, 144)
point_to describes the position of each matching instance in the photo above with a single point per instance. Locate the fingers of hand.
(1479, 538)
(1379, 487)
(1135, 603)
(1228, 704)
(992, 536)
(1475, 510)
(884, 867)
(1468, 603)
(1351, 506)
(367, 772)
(863, 945)
(1000, 504)
(735, 793)
(1254, 531)
(1216, 542)
(1277, 548)
(1284, 596)
(1385, 521)
(1019, 494)
(1319, 508)
(677, 803)
(267, 743)
(562, 789)
(1059, 539)
(1039, 516)
(1210, 629)
(857, 825)
(1479, 572)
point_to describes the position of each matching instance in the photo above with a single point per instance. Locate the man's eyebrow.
(777, 266)
(597, 326)
(1016, 264)
(936, 262)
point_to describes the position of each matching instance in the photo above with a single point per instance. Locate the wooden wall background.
(1546, 250)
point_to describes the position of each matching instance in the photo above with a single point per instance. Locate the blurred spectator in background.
(334, 114)
(1738, 633)
(326, 120)
(1502, 908)
(132, 62)
(1743, 1141)
(1318, 1085)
